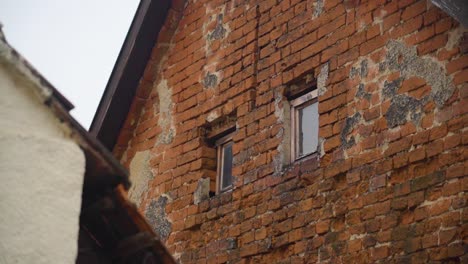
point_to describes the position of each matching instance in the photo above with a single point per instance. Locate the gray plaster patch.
(403, 108)
(454, 37)
(157, 218)
(232, 243)
(353, 72)
(212, 116)
(165, 120)
(219, 32)
(361, 92)
(364, 69)
(390, 88)
(322, 79)
(140, 174)
(242, 157)
(203, 191)
(348, 127)
(283, 115)
(318, 8)
(405, 59)
(382, 66)
(210, 80)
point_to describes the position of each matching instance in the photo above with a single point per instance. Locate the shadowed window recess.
(224, 163)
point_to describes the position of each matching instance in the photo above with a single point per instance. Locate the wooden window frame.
(221, 143)
(297, 104)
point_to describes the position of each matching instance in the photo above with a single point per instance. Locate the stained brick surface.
(389, 182)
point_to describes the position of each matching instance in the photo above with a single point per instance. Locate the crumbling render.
(405, 59)
(157, 218)
(403, 108)
(165, 121)
(348, 127)
(318, 8)
(203, 190)
(322, 79)
(140, 175)
(219, 32)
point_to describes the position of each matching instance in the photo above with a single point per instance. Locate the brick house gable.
(387, 183)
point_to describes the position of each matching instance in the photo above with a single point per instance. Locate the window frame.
(296, 104)
(220, 144)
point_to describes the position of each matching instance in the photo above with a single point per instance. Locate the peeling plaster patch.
(361, 93)
(210, 80)
(282, 113)
(349, 125)
(382, 66)
(390, 88)
(219, 32)
(140, 174)
(402, 108)
(157, 218)
(406, 60)
(243, 157)
(203, 191)
(213, 115)
(279, 112)
(454, 38)
(364, 69)
(165, 121)
(278, 162)
(232, 243)
(322, 79)
(124, 157)
(353, 72)
(318, 8)
(321, 146)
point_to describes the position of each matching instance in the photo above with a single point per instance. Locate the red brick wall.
(389, 184)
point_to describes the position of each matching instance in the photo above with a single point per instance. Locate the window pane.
(227, 166)
(308, 129)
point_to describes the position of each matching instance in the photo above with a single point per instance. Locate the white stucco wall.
(41, 177)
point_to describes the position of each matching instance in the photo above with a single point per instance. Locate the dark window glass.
(308, 129)
(227, 166)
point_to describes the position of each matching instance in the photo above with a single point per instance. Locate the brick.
(391, 21)
(380, 252)
(432, 44)
(372, 45)
(398, 146)
(434, 148)
(322, 227)
(447, 236)
(420, 36)
(443, 25)
(457, 64)
(439, 207)
(413, 10)
(461, 77)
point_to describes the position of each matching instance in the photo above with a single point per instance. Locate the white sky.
(73, 44)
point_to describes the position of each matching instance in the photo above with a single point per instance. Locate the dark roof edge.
(119, 66)
(128, 69)
(458, 9)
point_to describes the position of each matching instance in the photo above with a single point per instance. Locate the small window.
(304, 125)
(224, 170)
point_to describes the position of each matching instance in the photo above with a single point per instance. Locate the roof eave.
(129, 67)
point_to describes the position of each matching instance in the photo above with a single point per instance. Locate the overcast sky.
(73, 44)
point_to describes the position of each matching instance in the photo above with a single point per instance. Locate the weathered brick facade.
(389, 182)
